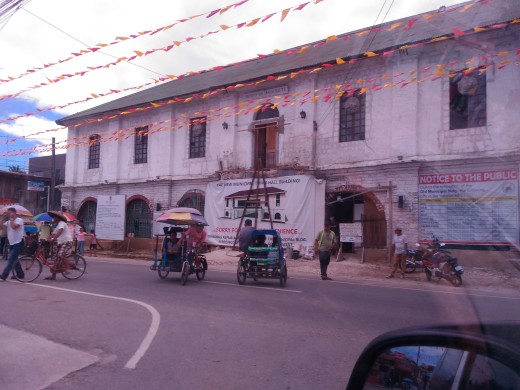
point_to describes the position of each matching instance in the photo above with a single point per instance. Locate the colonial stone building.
(411, 123)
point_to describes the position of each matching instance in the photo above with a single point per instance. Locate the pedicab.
(183, 260)
(264, 258)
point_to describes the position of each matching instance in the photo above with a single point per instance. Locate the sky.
(47, 31)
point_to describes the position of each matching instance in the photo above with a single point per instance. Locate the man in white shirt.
(399, 248)
(62, 236)
(15, 233)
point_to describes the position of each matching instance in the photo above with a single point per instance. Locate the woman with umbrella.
(61, 235)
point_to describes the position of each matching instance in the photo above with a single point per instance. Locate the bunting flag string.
(139, 53)
(120, 39)
(328, 94)
(411, 22)
(190, 98)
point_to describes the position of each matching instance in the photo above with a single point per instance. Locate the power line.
(8, 8)
(84, 44)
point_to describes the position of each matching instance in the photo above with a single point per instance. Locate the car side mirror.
(454, 357)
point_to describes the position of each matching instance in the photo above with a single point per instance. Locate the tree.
(15, 168)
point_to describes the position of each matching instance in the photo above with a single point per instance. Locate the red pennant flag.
(301, 6)
(410, 23)
(457, 32)
(213, 13)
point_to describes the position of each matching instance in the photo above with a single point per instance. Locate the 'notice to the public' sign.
(470, 207)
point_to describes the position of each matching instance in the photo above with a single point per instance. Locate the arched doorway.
(139, 218)
(194, 199)
(266, 137)
(87, 215)
(354, 204)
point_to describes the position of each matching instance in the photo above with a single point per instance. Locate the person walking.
(245, 235)
(325, 243)
(15, 233)
(398, 252)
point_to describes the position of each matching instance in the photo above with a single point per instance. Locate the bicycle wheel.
(74, 267)
(283, 276)
(185, 272)
(163, 272)
(241, 273)
(32, 268)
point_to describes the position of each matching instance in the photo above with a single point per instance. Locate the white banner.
(297, 205)
(110, 217)
(474, 207)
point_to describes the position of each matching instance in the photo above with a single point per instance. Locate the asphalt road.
(124, 328)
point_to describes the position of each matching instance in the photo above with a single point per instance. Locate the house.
(30, 191)
(252, 204)
(411, 123)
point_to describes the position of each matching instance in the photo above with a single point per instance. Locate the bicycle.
(73, 267)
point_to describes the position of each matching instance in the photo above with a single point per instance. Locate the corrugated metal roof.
(497, 11)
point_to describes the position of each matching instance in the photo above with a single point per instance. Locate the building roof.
(21, 175)
(485, 13)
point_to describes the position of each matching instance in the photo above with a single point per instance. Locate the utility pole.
(53, 174)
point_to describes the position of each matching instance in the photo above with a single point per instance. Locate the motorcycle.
(436, 261)
(413, 259)
(444, 266)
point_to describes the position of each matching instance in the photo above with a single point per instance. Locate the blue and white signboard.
(35, 185)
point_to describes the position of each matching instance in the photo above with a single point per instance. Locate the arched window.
(193, 199)
(139, 218)
(277, 216)
(266, 112)
(87, 215)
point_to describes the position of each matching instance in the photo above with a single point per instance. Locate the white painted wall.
(412, 122)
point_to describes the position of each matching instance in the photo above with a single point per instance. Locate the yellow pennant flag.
(284, 14)
(139, 53)
(276, 51)
(224, 27)
(252, 22)
(371, 54)
(394, 26)
(303, 49)
(339, 61)
(331, 38)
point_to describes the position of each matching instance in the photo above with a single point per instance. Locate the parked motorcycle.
(413, 259)
(436, 261)
(444, 266)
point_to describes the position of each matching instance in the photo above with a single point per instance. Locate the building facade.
(414, 125)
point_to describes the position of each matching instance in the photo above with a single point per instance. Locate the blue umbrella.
(42, 217)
